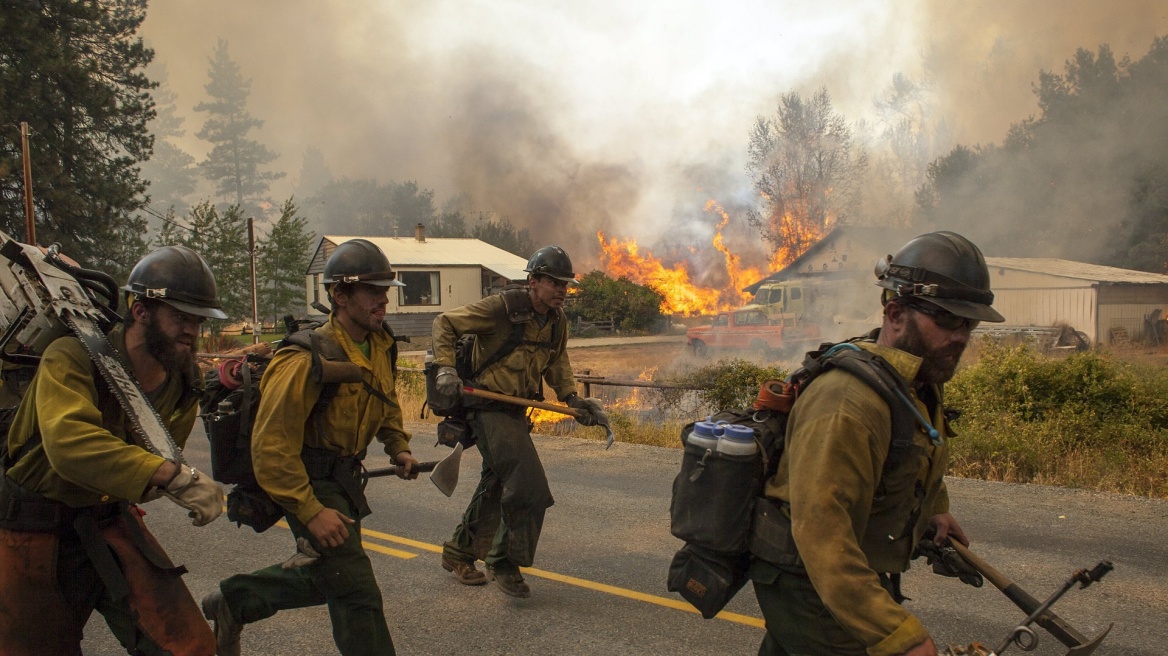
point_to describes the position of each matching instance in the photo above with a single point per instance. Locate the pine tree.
(74, 72)
(221, 238)
(314, 173)
(170, 171)
(234, 162)
(283, 259)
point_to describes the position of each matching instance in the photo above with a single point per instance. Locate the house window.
(421, 288)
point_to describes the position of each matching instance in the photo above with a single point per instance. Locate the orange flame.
(682, 296)
(739, 276)
(796, 231)
(623, 259)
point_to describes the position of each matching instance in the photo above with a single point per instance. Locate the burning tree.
(807, 171)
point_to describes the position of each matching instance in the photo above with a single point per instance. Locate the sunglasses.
(945, 319)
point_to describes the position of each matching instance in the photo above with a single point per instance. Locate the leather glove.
(947, 562)
(591, 412)
(197, 493)
(448, 383)
(305, 555)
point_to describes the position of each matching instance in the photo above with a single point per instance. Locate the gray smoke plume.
(622, 117)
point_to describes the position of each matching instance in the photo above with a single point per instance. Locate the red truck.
(751, 329)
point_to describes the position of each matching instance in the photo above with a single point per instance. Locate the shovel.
(1078, 643)
(443, 473)
(528, 403)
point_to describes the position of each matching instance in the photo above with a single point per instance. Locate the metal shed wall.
(1029, 298)
(1128, 306)
(1026, 298)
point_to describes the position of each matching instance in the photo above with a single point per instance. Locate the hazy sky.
(625, 116)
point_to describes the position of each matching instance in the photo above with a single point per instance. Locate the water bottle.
(737, 440)
(429, 356)
(704, 434)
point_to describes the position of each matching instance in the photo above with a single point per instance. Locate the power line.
(165, 219)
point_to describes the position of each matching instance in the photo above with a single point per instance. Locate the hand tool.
(444, 472)
(529, 403)
(1040, 612)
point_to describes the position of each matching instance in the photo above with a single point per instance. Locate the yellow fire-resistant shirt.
(520, 373)
(849, 515)
(351, 421)
(83, 458)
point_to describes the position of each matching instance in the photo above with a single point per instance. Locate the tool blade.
(445, 474)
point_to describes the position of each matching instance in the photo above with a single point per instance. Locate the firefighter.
(855, 504)
(71, 537)
(308, 459)
(502, 524)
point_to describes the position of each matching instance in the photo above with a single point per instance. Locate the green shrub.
(726, 384)
(1088, 420)
(634, 308)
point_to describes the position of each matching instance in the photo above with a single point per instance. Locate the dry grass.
(1073, 450)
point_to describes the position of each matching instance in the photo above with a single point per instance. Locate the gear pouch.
(707, 579)
(452, 431)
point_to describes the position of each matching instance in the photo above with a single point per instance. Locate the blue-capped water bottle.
(737, 440)
(705, 434)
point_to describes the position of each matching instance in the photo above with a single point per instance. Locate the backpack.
(454, 429)
(229, 416)
(718, 506)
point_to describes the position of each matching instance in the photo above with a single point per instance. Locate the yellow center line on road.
(371, 546)
(675, 604)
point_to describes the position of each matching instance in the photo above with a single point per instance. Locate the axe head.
(445, 474)
(1090, 647)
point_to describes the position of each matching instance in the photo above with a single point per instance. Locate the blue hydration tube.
(934, 436)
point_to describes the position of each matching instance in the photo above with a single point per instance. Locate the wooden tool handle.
(995, 577)
(515, 400)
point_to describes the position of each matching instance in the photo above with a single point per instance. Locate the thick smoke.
(399, 91)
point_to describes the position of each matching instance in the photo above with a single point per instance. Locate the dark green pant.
(343, 578)
(797, 622)
(505, 516)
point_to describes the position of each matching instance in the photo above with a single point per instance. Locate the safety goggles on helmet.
(377, 279)
(945, 319)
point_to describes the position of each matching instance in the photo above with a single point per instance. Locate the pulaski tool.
(529, 403)
(443, 473)
(1040, 613)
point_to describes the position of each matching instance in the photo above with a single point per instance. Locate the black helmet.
(179, 277)
(358, 260)
(944, 269)
(552, 261)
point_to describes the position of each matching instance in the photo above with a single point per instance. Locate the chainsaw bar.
(52, 294)
(151, 432)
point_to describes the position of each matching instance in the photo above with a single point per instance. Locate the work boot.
(510, 582)
(227, 630)
(466, 573)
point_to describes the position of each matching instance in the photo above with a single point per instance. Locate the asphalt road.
(599, 582)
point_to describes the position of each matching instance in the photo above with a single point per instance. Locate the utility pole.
(29, 224)
(255, 308)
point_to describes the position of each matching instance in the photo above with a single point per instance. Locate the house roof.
(436, 251)
(876, 236)
(1078, 270)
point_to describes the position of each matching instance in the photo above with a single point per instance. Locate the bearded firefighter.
(71, 537)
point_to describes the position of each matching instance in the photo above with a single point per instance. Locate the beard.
(937, 365)
(162, 348)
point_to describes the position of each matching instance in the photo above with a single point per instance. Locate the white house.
(439, 274)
